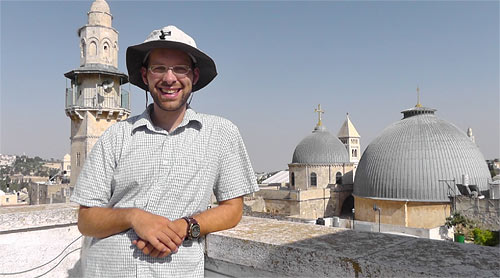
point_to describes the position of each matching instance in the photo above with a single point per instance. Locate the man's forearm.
(225, 216)
(103, 222)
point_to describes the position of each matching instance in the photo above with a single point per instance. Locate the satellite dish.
(108, 85)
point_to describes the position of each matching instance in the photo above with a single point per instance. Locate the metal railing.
(97, 98)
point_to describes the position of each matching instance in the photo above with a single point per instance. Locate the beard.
(170, 106)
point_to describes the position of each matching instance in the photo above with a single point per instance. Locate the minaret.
(95, 99)
(350, 137)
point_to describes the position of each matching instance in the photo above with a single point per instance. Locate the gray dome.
(409, 158)
(321, 147)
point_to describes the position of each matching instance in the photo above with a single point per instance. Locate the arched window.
(338, 178)
(292, 179)
(92, 49)
(106, 49)
(314, 179)
(78, 159)
(82, 49)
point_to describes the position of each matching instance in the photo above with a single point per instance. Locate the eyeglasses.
(177, 69)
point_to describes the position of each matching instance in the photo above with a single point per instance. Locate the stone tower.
(95, 99)
(349, 136)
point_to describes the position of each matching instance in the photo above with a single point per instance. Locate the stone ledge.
(304, 250)
(32, 217)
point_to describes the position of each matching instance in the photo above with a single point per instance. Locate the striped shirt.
(135, 164)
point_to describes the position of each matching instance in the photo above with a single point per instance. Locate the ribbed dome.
(321, 147)
(100, 6)
(409, 158)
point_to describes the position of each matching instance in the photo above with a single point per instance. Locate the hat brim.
(136, 54)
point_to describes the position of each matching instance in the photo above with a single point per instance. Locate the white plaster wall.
(29, 249)
(256, 247)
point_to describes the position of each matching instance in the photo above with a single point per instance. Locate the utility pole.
(375, 208)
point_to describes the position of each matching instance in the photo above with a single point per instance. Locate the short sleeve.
(236, 176)
(93, 187)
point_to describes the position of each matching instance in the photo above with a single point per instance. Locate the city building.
(95, 99)
(407, 174)
(53, 165)
(320, 176)
(8, 199)
(7, 160)
(66, 165)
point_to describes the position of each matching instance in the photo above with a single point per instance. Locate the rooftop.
(256, 247)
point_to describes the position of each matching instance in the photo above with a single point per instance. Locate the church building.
(320, 176)
(408, 173)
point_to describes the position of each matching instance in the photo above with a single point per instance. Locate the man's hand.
(103, 222)
(179, 227)
(226, 215)
(162, 235)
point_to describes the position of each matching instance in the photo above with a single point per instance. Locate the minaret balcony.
(97, 99)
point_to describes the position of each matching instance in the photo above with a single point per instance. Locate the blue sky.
(276, 62)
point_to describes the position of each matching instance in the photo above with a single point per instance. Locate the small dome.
(321, 147)
(413, 157)
(100, 6)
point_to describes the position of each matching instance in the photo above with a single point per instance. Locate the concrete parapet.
(39, 216)
(31, 236)
(257, 247)
(275, 248)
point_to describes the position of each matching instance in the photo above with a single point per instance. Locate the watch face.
(195, 231)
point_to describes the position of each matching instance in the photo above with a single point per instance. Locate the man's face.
(170, 90)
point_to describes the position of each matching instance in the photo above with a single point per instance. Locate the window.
(78, 159)
(314, 179)
(354, 153)
(106, 49)
(293, 179)
(82, 49)
(7, 200)
(338, 178)
(92, 49)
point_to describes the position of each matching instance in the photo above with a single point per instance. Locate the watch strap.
(191, 222)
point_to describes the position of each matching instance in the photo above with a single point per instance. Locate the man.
(145, 187)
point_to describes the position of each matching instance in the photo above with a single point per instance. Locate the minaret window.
(338, 178)
(106, 49)
(354, 153)
(293, 178)
(92, 49)
(314, 179)
(82, 47)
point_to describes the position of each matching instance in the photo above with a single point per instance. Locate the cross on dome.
(319, 111)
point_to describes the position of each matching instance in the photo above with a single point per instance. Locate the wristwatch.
(193, 229)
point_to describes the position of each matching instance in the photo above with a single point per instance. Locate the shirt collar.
(190, 117)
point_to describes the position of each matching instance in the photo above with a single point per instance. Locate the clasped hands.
(158, 236)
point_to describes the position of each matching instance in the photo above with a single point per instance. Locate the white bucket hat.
(173, 38)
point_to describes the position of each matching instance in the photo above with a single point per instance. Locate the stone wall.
(32, 235)
(326, 174)
(486, 212)
(271, 248)
(406, 214)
